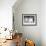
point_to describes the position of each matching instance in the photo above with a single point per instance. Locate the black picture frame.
(29, 19)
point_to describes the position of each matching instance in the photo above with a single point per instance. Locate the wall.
(43, 22)
(6, 13)
(28, 7)
(6, 17)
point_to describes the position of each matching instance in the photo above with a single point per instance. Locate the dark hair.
(34, 44)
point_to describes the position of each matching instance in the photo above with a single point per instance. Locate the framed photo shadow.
(29, 19)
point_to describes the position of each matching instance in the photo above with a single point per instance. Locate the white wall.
(43, 22)
(6, 13)
(28, 7)
(6, 17)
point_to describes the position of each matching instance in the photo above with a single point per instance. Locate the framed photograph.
(29, 19)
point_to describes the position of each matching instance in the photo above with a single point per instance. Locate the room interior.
(23, 23)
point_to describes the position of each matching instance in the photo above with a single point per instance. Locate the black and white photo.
(29, 19)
